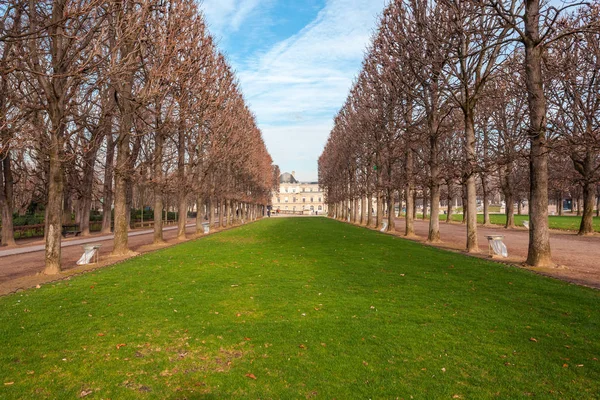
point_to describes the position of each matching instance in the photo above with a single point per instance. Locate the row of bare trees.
(97, 96)
(457, 97)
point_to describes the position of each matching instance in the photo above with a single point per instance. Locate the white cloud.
(296, 87)
(228, 15)
(244, 9)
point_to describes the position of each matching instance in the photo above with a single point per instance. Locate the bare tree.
(574, 63)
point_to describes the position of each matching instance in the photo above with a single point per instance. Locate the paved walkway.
(21, 265)
(67, 243)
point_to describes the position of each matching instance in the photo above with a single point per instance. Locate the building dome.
(287, 178)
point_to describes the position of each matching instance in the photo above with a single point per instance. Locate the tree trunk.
(157, 184)
(510, 210)
(220, 208)
(425, 204)
(363, 208)
(391, 226)
(434, 220)
(182, 217)
(133, 155)
(88, 183)
(66, 214)
(129, 203)
(472, 244)
(434, 195)
(464, 205)
(54, 207)
(369, 209)
(449, 209)
(587, 221)
(107, 199)
(226, 212)
(6, 201)
(379, 218)
(234, 212)
(122, 177)
(211, 211)
(559, 209)
(486, 208)
(182, 192)
(538, 254)
(414, 203)
(121, 220)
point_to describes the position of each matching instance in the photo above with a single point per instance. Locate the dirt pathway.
(577, 257)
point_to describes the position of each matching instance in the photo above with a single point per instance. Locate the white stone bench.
(89, 251)
(496, 246)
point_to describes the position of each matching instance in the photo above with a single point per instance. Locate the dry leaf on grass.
(120, 345)
(251, 376)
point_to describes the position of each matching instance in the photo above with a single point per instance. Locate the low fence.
(37, 230)
(296, 212)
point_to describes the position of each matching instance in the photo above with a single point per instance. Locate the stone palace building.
(298, 197)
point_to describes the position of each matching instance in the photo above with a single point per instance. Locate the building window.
(311, 189)
(294, 208)
(294, 200)
(294, 190)
(320, 208)
(286, 199)
(304, 199)
(319, 199)
(286, 207)
(286, 190)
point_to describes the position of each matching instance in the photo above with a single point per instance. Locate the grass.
(564, 222)
(310, 307)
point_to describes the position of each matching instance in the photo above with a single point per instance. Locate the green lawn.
(302, 307)
(565, 222)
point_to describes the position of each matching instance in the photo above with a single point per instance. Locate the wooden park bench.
(71, 230)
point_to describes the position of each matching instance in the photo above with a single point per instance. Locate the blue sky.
(295, 60)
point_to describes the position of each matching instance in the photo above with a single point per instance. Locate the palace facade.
(296, 197)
